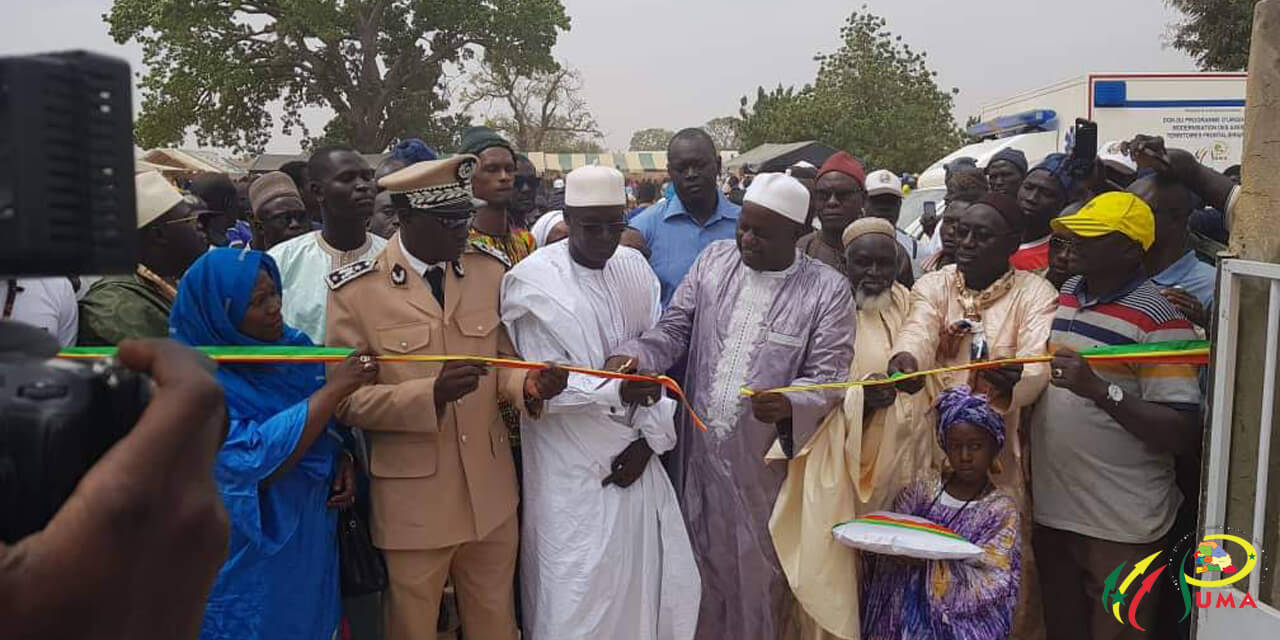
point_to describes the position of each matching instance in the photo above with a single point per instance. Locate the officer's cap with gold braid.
(441, 187)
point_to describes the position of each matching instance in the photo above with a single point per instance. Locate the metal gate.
(1242, 623)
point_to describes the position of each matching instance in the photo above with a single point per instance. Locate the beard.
(873, 302)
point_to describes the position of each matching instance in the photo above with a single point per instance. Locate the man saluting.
(443, 484)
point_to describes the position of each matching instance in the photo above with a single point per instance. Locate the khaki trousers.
(483, 572)
(1073, 570)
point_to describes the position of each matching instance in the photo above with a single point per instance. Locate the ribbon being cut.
(1150, 354)
(284, 355)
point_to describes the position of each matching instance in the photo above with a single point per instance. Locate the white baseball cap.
(883, 182)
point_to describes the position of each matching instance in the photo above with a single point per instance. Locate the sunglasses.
(452, 223)
(822, 195)
(1063, 244)
(531, 182)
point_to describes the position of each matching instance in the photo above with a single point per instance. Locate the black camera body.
(67, 207)
(57, 417)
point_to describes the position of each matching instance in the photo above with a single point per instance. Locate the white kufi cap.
(595, 186)
(780, 194)
(155, 196)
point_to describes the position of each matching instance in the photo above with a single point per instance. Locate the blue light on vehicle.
(1014, 124)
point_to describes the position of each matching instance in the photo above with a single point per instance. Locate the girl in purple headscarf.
(952, 599)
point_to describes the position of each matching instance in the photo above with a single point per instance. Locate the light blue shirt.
(675, 239)
(1192, 275)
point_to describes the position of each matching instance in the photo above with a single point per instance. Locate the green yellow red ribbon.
(903, 523)
(1184, 352)
(1176, 352)
(284, 355)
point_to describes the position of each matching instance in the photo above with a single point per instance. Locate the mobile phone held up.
(1084, 149)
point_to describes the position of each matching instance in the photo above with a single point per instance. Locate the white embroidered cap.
(595, 186)
(780, 194)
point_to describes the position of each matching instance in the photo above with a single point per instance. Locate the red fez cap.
(845, 163)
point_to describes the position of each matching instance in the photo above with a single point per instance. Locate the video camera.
(66, 208)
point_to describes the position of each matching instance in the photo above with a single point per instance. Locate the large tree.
(1215, 32)
(653, 139)
(538, 109)
(724, 131)
(875, 97)
(218, 66)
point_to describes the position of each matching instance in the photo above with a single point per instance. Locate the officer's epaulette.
(345, 274)
(492, 252)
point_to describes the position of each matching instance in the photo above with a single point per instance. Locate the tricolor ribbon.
(912, 524)
(285, 355)
(1184, 352)
(1179, 352)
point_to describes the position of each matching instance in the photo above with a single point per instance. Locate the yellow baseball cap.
(1114, 211)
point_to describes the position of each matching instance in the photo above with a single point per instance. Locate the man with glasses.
(600, 515)
(137, 305)
(839, 197)
(1106, 435)
(677, 229)
(524, 204)
(981, 308)
(342, 184)
(278, 211)
(443, 486)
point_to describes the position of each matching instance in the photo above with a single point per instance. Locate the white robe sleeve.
(584, 394)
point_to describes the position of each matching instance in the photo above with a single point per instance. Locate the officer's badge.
(458, 271)
(399, 276)
(343, 275)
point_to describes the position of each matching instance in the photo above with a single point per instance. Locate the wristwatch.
(1115, 393)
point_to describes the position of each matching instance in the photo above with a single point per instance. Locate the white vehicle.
(1200, 112)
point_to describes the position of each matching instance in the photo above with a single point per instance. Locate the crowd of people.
(552, 504)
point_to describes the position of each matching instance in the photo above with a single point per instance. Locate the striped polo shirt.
(1089, 475)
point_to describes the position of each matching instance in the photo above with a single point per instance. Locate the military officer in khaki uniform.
(443, 486)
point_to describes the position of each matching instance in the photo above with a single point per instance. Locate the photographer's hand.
(134, 551)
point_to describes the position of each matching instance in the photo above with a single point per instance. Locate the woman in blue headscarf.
(282, 471)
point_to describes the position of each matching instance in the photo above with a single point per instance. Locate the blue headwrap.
(961, 405)
(411, 150)
(210, 306)
(1058, 165)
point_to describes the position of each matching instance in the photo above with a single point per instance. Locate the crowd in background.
(634, 522)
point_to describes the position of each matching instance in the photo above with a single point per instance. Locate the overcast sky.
(676, 63)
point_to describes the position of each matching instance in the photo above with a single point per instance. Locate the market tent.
(778, 156)
(192, 161)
